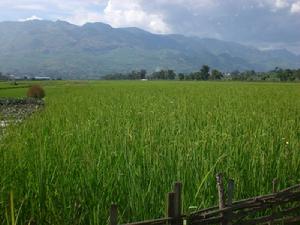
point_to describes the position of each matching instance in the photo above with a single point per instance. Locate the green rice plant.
(127, 142)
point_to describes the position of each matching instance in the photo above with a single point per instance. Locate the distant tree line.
(3, 77)
(205, 73)
(133, 75)
(277, 74)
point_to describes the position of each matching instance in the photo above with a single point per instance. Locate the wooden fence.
(280, 207)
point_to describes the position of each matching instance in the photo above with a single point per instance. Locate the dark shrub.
(36, 91)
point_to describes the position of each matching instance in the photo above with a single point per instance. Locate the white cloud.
(189, 4)
(74, 11)
(31, 18)
(75, 4)
(295, 7)
(280, 4)
(31, 7)
(273, 5)
(80, 17)
(78, 12)
(131, 13)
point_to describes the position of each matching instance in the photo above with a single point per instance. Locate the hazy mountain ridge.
(94, 49)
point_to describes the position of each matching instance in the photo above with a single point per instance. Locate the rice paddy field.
(96, 143)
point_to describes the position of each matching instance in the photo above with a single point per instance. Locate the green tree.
(216, 75)
(290, 75)
(204, 72)
(297, 74)
(171, 75)
(181, 76)
(235, 75)
(285, 75)
(196, 76)
(143, 74)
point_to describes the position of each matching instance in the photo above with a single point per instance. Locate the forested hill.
(61, 49)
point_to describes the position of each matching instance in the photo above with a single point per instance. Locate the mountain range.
(61, 49)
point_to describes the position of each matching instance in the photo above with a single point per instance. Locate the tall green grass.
(127, 142)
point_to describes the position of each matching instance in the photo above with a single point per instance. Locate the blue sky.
(266, 24)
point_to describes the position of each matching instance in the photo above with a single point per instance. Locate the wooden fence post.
(230, 192)
(113, 215)
(221, 195)
(177, 190)
(274, 184)
(171, 206)
(274, 190)
(178, 203)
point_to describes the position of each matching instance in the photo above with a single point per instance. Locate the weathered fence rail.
(280, 207)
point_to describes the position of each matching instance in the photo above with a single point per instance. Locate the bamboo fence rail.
(280, 207)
